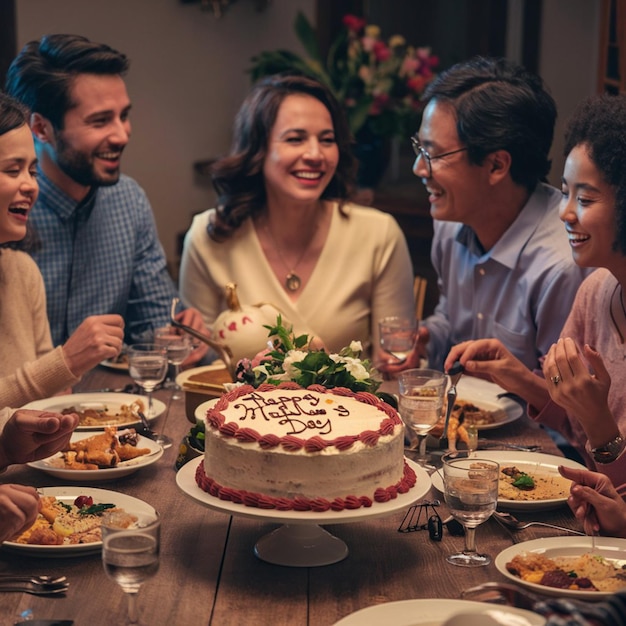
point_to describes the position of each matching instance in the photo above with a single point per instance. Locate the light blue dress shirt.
(101, 256)
(521, 291)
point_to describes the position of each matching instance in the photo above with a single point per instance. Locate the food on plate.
(313, 449)
(587, 572)
(102, 451)
(538, 485)
(60, 523)
(465, 414)
(103, 416)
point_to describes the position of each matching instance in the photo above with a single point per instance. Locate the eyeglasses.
(420, 151)
(427, 510)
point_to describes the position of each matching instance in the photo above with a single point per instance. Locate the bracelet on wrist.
(610, 451)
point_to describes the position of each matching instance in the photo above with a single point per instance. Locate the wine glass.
(178, 347)
(397, 336)
(147, 366)
(131, 555)
(471, 493)
(421, 404)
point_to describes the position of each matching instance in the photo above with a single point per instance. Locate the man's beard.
(78, 166)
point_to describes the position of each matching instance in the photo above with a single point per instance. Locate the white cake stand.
(301, 542)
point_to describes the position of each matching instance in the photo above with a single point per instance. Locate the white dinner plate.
(484, 395)
(529, 462)
(131, 505)
(436, 612)
(608, 547)
(99, 400)
(123, 469)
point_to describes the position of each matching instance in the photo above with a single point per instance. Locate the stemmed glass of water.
(147, 366)
(421, 404)
(178, 347)
(471, 493)
(397, 336)
(130, 556)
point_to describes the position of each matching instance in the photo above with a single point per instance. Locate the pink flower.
(410, 65)
(353, 23)
(381, 51)
(417, 83)
(369, 43)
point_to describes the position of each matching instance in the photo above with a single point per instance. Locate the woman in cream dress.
(283, 230)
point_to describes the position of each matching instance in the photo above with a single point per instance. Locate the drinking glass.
(147, 366)
(130, 556)
(397, 336)
(178, 347)
(421, 404)
(471, 493)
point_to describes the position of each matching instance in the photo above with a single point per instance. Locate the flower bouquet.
(293, 358)
(379, 83)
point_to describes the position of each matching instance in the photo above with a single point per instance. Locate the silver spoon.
(508, 520)
(34, 588)
(37, 580)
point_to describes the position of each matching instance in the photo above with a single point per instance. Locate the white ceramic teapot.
(242, 328)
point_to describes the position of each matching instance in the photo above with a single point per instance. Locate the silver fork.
(508, 520)
(455, 373)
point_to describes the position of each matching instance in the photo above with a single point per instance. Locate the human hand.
(488, 359)
(99, 337)
(595, 502)
(30, 435)
(192, 318)
(19, 507)
(584, 395)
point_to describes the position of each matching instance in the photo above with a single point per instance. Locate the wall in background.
(186, 81)
(568, 62)
(187, 78)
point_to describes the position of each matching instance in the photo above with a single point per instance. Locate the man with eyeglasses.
(503, 260)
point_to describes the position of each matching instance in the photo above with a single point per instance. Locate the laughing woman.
(283, 231)
(582, 393)
(30, 368)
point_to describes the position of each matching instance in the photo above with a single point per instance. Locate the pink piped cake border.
(292, 444)
(315, 505)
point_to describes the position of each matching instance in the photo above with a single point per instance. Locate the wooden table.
(210, 575)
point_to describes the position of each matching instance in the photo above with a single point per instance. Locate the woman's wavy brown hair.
(238, 177)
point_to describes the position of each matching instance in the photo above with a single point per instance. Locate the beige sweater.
(363, 274)
(30, 368)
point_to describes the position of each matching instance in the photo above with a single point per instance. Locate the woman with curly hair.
(283, 230)
(581, 394)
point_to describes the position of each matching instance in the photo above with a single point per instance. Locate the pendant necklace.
(292, 280)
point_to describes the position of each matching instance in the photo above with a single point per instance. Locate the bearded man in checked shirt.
(100, 250)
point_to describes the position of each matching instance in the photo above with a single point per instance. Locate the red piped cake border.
(291, 443)
(316, 505)
(216, 420)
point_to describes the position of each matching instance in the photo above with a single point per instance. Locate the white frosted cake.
(310, 449)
